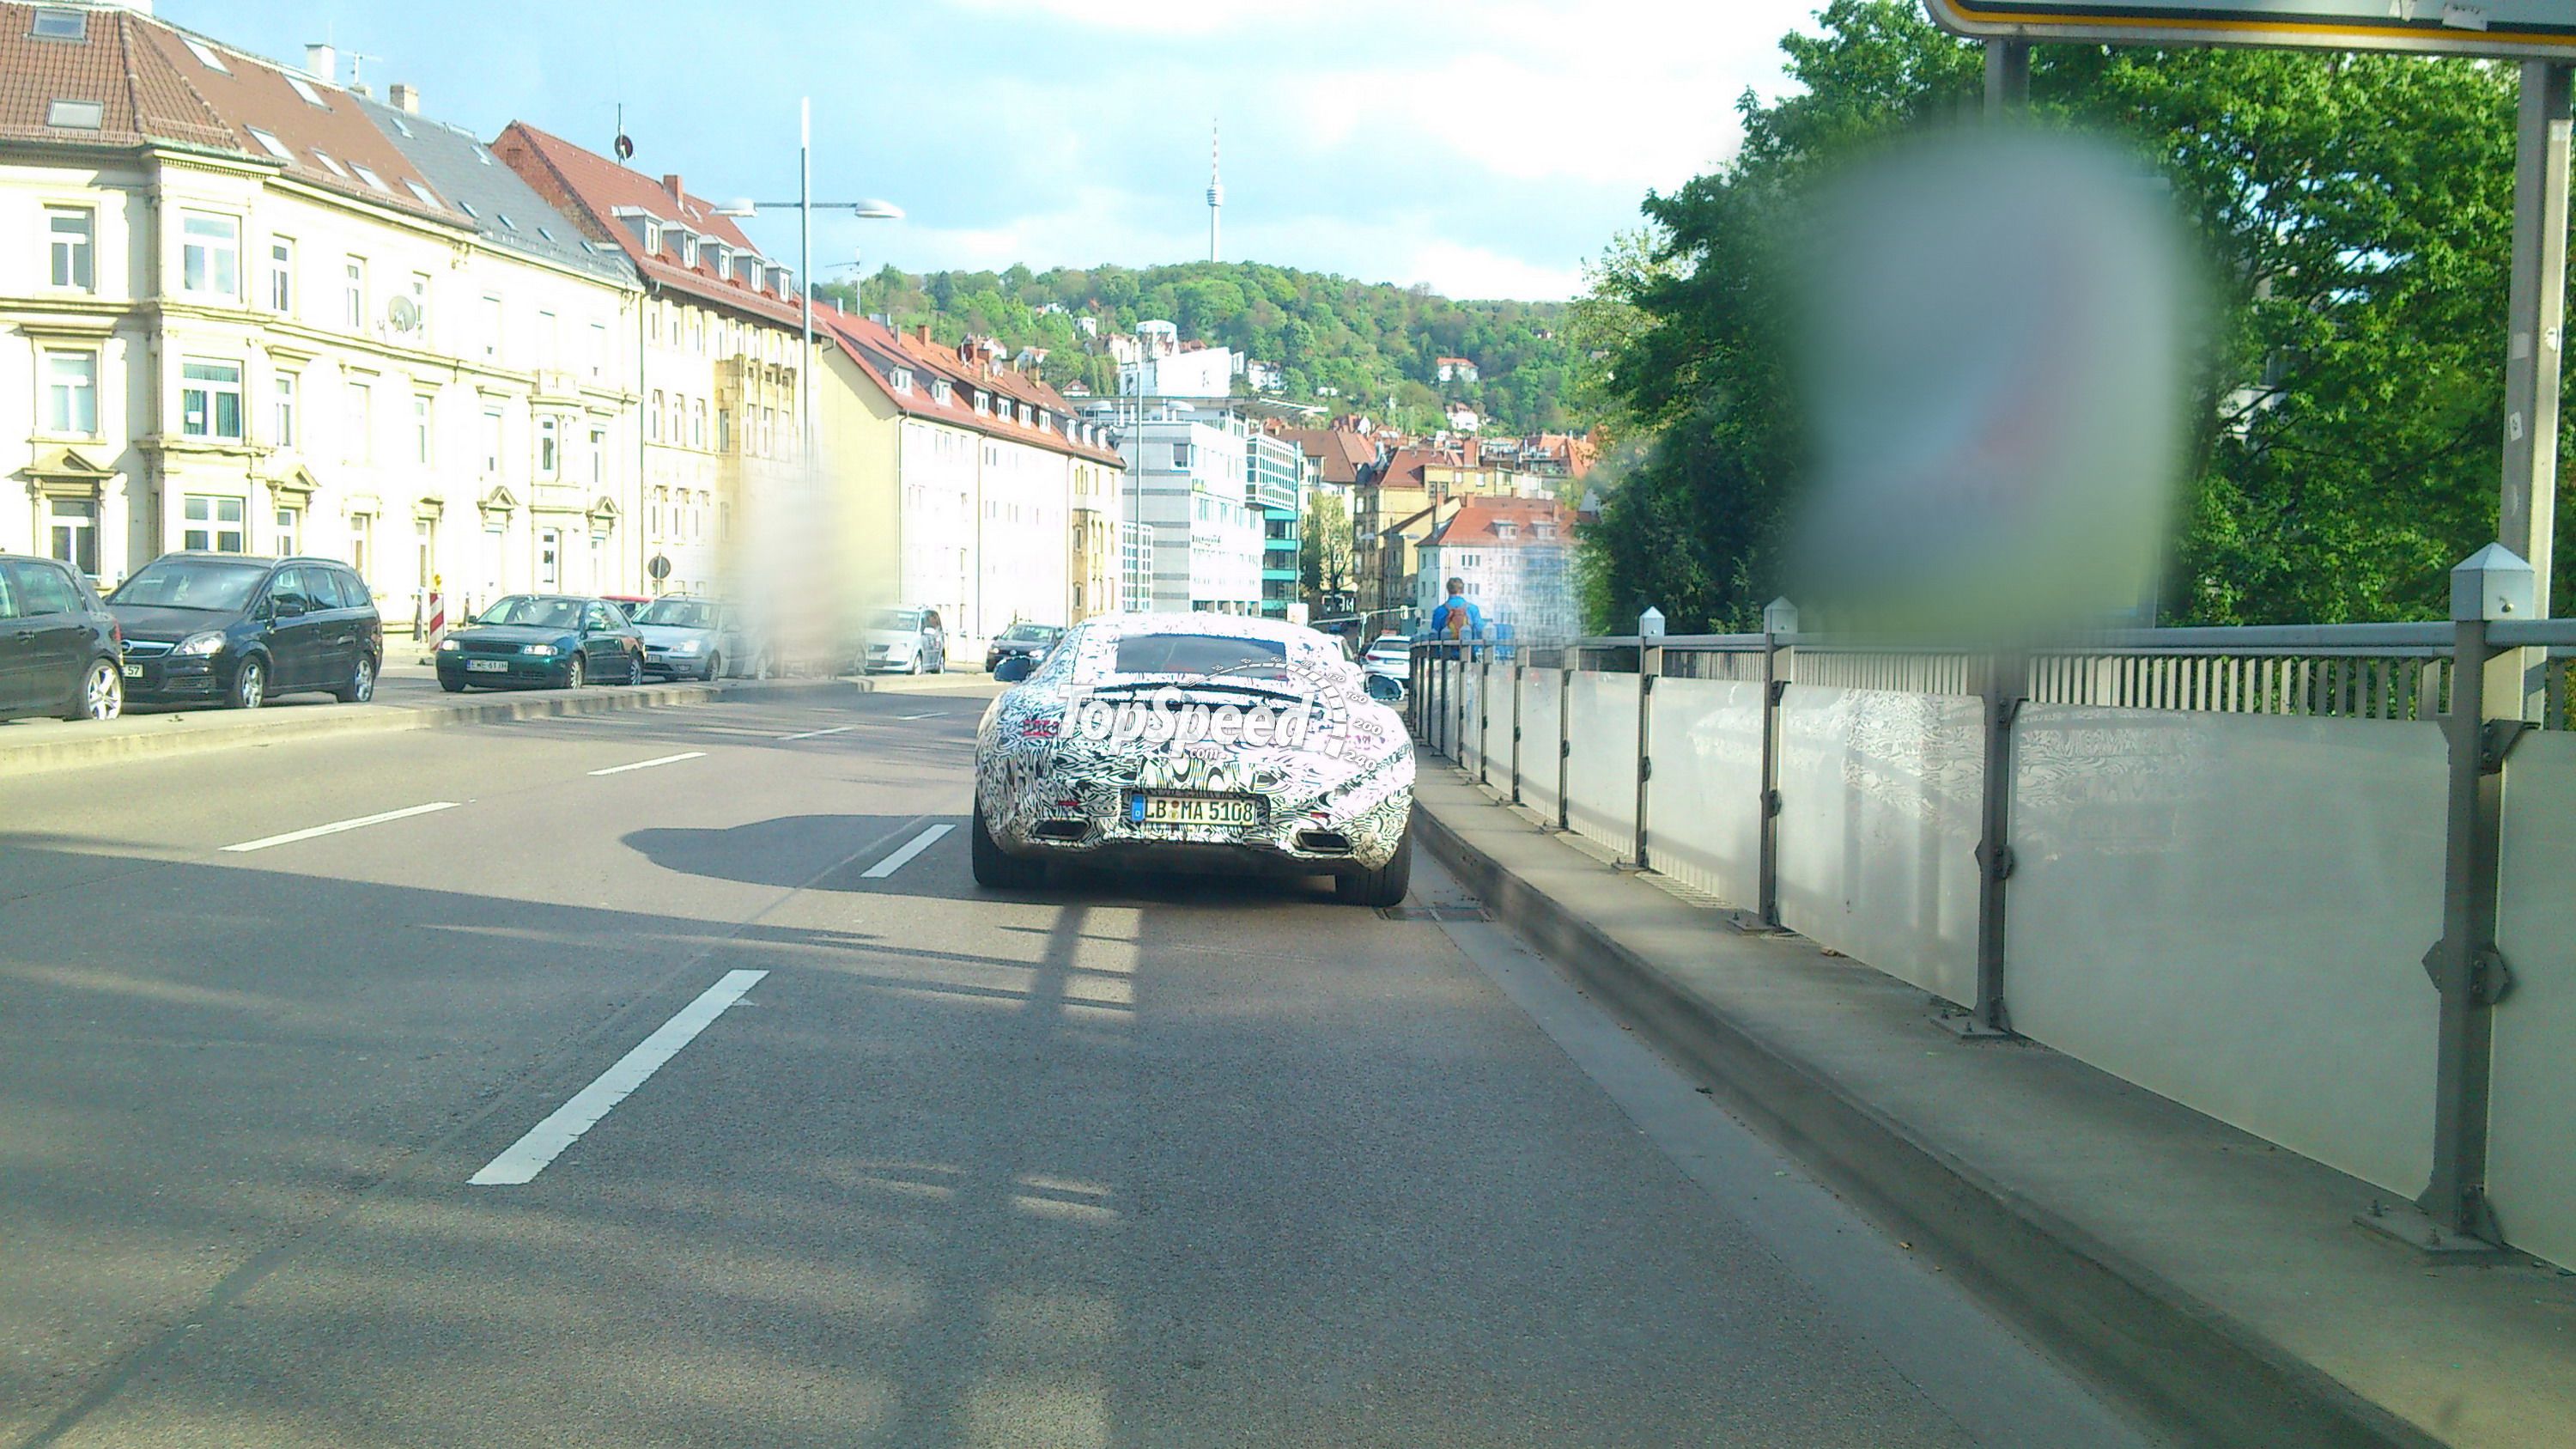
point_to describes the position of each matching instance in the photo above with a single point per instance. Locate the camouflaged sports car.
(1196, 742)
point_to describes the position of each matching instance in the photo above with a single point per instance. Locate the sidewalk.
(407, 699)
(2217, 1280)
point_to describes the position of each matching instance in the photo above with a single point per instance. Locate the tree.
(2356, 213)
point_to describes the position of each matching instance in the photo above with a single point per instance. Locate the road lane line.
(940, 714)
(337, 826)
(903, 857)
(648, 764)
(528, 1156)
(818, 734)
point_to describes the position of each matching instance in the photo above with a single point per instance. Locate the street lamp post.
(805, 206)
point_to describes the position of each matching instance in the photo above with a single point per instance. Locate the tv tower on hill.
(1216, 193)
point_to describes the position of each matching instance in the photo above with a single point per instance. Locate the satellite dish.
(624, 147)
(404, 313)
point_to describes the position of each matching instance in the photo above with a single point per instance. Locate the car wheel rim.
(572, 675)
(254, 686)
(105, 697)
(634, 670)
(363, 688)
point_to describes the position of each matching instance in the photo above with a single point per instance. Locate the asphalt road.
(1124, 1162)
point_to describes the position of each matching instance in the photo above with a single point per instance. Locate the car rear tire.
(102, 693)
(995, 870)
(634, 671)
(362, 683)
(452, 686)
(250, 685)
(715, 668)
(1384, 886)
(574, 672)
(916, 662)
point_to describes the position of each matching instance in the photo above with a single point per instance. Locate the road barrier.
(2311, 881)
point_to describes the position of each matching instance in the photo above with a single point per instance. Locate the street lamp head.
(876, 210)
(740, 206)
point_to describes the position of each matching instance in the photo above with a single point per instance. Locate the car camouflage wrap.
(1068, 762)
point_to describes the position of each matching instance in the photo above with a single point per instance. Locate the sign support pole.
(2534, 354)
(2007, 78)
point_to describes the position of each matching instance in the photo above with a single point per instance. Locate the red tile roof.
(152, 89)
(592, 189)
(878, 352)
(1343, 451)
(1473, 523)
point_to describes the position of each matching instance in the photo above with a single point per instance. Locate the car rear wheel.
(573, 673)
(362, 683)
(1384, 886)
(452, 686)
(634, 669)
(250, 685)
(102, 693)
(916, 662)
(715, 668)
(995, 870)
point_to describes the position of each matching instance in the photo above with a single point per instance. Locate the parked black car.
(59, 647)
(1030, 640)
(224, 628)
(542, 641)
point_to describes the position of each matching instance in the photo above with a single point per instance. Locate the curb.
(2196, 1372)
(261, 728)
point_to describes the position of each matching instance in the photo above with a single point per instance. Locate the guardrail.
(2206, 860)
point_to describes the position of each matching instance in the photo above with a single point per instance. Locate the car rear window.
(1199, 654)
(191, 583)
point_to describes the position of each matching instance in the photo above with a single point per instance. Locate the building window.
(53, 23)
(290, 531)
(64, 115)
(281, 274)
(362, 538)
(549, 446)
(424, 547)
(213, 523)
(209, 254)
(359, 445)
(491, 442)
(724, 430)
(71, 393)
(423, 412)
(652, 314)
(549, 341)
(491, 329)
(549, 559)
(901, 379)
(353, 274)
(697, 422)
(598, 350)
(1180, 455)
(678, 429)
(210, 401)
(419, 302)
(599, 455)
(653, 419)
(75, 532)
(71, 232)
(284, 391)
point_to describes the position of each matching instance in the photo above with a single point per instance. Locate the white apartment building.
(242, 319)
(1186, 465)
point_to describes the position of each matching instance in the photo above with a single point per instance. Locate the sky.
(1486, 147)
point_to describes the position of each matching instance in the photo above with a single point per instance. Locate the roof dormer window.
(900, 379)
(983, 401)
(942, 391)
(689, 249)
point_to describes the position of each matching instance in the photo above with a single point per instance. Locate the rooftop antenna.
(357, 70)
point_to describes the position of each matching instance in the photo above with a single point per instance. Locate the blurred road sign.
(2532, 29)
(659, 568)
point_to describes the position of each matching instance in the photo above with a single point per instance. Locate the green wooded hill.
(1365, 341)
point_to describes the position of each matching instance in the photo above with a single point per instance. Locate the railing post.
(2485, 723)
(1484, 708)
(1518, 656)
(2007, 685)
(1779, 624)
(1564, 737)
(1650, 662)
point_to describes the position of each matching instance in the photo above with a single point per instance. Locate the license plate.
(1193, 810)
(134, 671)
(488, 666)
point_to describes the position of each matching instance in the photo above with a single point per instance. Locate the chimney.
(921, 333)
(405, 98)
(322, 62)
(671, 184)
